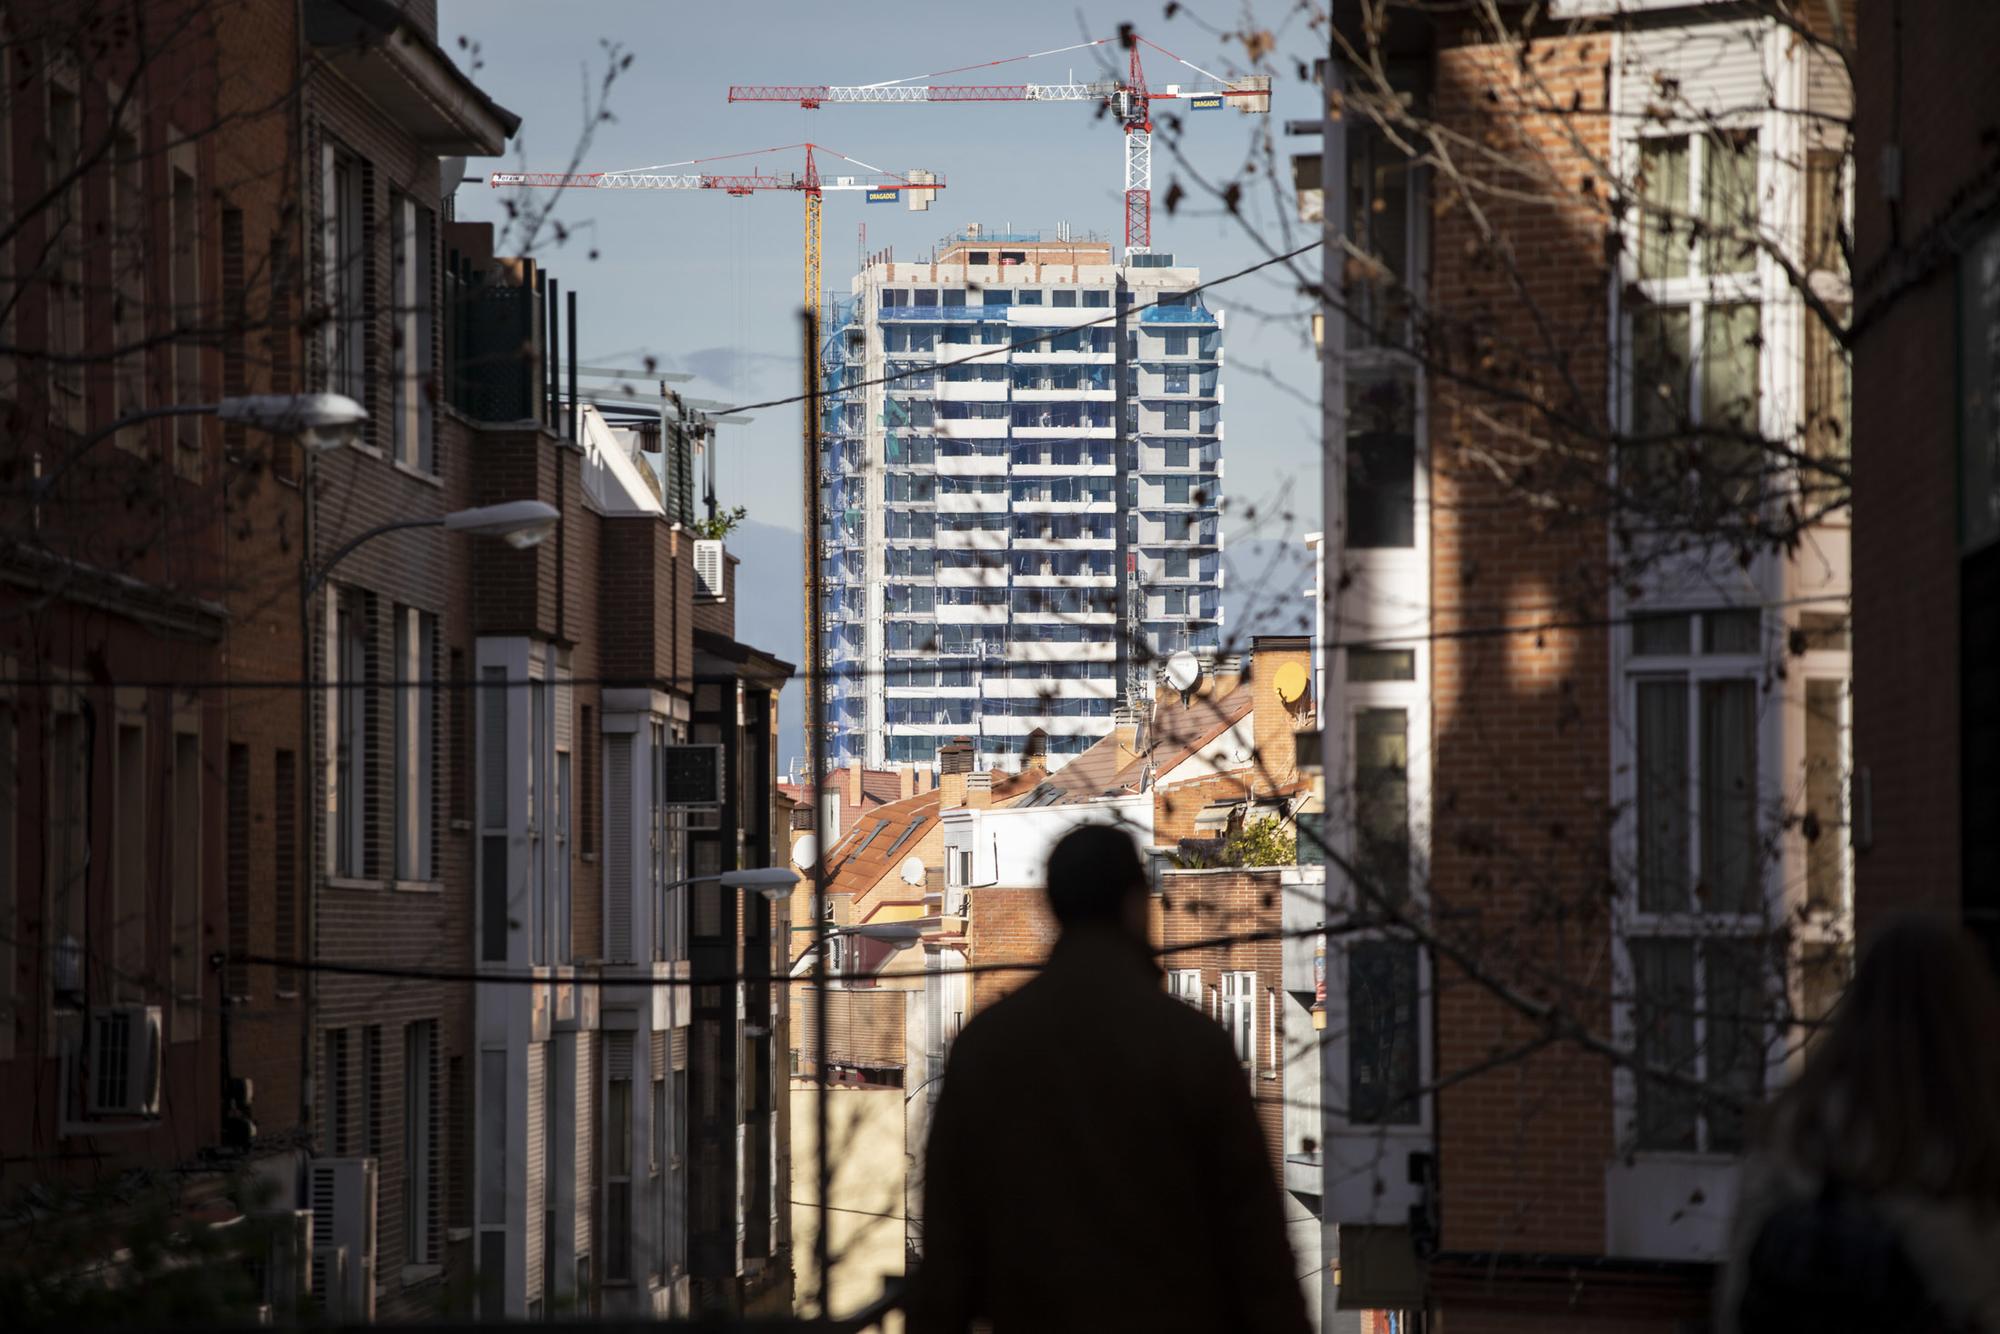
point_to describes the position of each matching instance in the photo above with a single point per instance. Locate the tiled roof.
(880, 839)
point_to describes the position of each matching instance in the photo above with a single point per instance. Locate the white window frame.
(1184, 984)
(185, 307)
(1239, 1015)
(188, 791)
(412, 269)
(1692, 669)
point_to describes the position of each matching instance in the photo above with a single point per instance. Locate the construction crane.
(917, 189)
(1128, 102)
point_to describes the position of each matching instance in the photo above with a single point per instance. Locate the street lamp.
(896, 935)
(518, 523)
(319, 422)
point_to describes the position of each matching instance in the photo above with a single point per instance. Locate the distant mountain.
(770, 614)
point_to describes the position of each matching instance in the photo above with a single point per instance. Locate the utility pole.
(1332, 553)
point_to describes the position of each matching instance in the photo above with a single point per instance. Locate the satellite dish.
(912, 870)
(805, 851)
(1291, 683)
(1183, 673)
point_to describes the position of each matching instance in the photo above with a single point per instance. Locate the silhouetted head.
(1096, 879)
(1903, 1090)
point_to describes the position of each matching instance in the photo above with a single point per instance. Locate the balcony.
(972, 391)
(972, 539)
(1033, 505)
(971, 502)
(961, 614)
(1044, 357)
(971, 465)
(972, 428)
(1090, 394)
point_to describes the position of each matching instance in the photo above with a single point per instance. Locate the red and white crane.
(1128, 101)
(917, 188)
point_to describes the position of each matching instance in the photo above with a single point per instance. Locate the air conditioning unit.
(341, 1192)
(124, 1062)
(708, 568)
(330, 1287)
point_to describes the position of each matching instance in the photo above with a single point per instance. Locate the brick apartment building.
(478, 773)
(1927, 456)
(115, 804)
(1589, 766)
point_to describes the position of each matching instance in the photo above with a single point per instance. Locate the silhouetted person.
(1095, 1161)
(1873, 1201)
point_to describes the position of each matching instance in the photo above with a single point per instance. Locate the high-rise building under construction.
(993, 567)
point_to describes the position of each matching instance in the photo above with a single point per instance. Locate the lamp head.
(319, 422)
(518, 523)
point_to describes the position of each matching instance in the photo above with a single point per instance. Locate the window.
(1823, 824)
(1174, 417)
(420, 1127)
(353, 673)
(1028, 296)
(236, 870)
(68, 859)
(1382, 803)
(128, 254)
(1063, 298)
(131, 864)
(1695, 332)
(67, 223)
(1174, 565)
(343, 183)
(185, 301)
(1381, 664)
(618, 1158)
(1382, 1033)
(1239, 1015)
(1381, 463)
(1176, 490)
(1185, 984)
(1097, 296)
(285, 864)
(1378, 192)
(1174, 344)
(417, 770)
(1699, 958)
(190, 960)
(410, 272)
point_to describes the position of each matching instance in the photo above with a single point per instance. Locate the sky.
(709, 284)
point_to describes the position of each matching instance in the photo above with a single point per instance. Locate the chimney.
(1036, 752)
(979, 789)
(954, 767)
(906, 781)
(1281, 702)
(854, 782)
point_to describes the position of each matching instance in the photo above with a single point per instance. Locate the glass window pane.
(1382, 800)
(1382, 1033)
(1381, 465)
(1660, 361)
(1822, 630)
(1663, 202)
(1653, 635)
(1729, 202)
(1735, 974)
(1730, 631)
(1729, 855)
(1381, 664)
(1663, 1019)
(1824, 825)
(1663, 796)
(1829, 396)
(1730, 356)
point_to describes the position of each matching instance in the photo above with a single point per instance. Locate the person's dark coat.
(1809, 1254)
(1095, 1163)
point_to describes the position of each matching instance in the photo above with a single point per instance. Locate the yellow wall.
(865, 1228)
